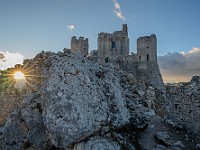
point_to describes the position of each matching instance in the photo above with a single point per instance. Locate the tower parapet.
(80, 44)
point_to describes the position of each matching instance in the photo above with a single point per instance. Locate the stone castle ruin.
(111, 46)
(114, 48)
(80, 44)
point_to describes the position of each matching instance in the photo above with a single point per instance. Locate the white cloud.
(180, 66)
(194, 51)
(71, 27)
(8, 60)
(117, 10)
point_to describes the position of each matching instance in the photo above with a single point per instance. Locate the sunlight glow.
(19, 75)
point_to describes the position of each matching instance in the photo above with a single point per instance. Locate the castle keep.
(110, 46)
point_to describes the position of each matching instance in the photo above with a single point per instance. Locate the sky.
(29, 26)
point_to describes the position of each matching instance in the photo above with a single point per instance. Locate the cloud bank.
(117, 10)
(71, 27)
(8, 60)
(176, 67)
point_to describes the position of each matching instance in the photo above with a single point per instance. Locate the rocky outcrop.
(79, 99)
(82, 105)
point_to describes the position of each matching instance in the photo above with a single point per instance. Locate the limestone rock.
(97, 143)
(78, 99)
(14, 133)
(77, 102)
(25, 126)
(80, 104)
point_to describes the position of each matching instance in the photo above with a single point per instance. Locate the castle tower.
(147, 65)
(112, 46)
(147, 48)
(80, 44)
(104, 46)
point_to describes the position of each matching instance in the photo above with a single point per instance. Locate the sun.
(19, 75)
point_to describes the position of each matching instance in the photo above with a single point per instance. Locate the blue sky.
(30, 26)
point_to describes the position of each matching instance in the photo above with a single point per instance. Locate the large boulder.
(79, 98)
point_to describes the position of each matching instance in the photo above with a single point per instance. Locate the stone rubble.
(182, 107)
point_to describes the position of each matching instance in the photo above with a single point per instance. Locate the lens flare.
(19, 75)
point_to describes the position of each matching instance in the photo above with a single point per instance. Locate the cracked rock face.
(77, 102)
(78, 99)
(83, 105)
